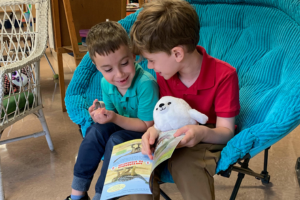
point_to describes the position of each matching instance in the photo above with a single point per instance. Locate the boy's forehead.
(110, 57)
(145, 54)
(149, 55)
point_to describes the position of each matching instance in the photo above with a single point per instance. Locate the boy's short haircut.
(105, 38)
(163, 25)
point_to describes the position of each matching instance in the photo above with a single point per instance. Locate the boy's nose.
(161, 105)
(120, 74)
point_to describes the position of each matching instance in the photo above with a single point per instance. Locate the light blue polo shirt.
(139, 99)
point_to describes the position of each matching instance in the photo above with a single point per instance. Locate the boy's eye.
(108, 70)
(126, 63)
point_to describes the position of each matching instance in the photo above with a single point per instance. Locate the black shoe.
(86, 197)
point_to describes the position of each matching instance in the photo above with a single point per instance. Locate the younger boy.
(166, 33)
(129, 94)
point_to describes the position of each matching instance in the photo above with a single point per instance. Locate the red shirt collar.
(206, 78)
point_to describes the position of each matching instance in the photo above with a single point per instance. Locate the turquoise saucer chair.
(261, 39)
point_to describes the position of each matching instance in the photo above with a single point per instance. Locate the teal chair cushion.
(261, 40)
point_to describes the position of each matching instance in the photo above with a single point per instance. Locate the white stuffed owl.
(172, 113)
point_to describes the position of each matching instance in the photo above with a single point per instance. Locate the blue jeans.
(99, 140)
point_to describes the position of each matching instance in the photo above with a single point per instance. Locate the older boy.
(166, 33)
(129, 94)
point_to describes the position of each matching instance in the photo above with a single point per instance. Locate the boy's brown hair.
(163, 25)
(105, 38)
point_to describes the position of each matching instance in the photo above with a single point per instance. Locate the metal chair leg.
(297, 168)
(164, 195)
(239, 180)
(265, 172)
(45, 128)
(1, 184)
(49, 63)
(237, 186)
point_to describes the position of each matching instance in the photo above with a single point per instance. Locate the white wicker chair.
(22, 43)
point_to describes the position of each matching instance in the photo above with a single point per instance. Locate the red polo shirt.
(214, 93)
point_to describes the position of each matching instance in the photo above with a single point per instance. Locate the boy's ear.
(178, 53)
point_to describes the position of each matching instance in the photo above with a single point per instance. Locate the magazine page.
(165, 146)
(128, 171)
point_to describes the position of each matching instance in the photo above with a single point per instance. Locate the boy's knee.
(115, 139)
(97, 132)
(91, 132)
(186, 158)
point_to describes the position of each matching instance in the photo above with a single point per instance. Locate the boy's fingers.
(180, 131)
(92, 107)
(105, 112)
(182, 143)
(94, 103)
(185, 140)
(93, 112)
(152, 150)
(152, 138)
(150, 156)
(146, 146)
(102, 111)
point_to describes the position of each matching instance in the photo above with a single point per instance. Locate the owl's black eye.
(156, 108)
(169, 103)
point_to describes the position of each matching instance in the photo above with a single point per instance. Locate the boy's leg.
(141, 197)
(90, 153)
(156, 179)
(193, 168)
(115, 139)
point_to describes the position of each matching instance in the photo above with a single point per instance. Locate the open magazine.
(129, 171)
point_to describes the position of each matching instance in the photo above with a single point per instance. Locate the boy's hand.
(193, 135)
(148, 141)
(92, 107)
(103, 116)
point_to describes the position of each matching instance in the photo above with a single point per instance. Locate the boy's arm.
(194, 134)
(147, 92)
(132, 124)
(226, 106)
(147, 98)
(103, 116)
